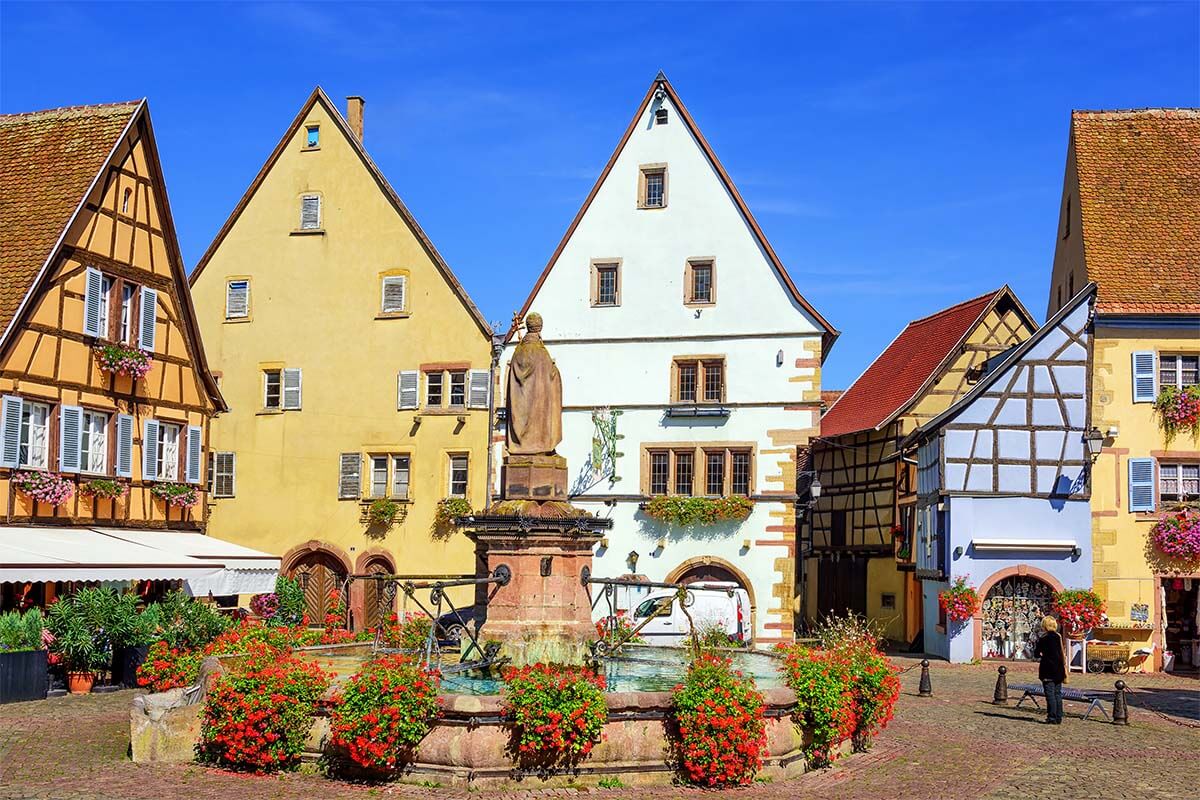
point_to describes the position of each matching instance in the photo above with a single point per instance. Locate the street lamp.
(1094, 440)
(814, 489)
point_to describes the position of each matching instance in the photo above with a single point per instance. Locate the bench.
(1032, 691)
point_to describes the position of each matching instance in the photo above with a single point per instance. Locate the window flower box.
(1178, 410)
(45, 487)
(383, 512)
(960, 601)
(121, 360)
(689, 511)
(180, 495)
(104, 488)
(1177, 534)
(1080, 610)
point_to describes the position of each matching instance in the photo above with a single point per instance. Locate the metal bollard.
(1120, 706)
(926, 688)
(1000, 698)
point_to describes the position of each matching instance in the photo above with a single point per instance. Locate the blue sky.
(900, 157)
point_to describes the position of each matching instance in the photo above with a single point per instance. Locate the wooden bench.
(1032, 691)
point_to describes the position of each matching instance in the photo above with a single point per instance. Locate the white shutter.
(481, 384)
(1141, 484)
(91, 302)
(10, 431)
(1143, 377)
(194, 447)
(395, 287)
(408, 389)
(292, 388)
(224, 469)
(148, 314)
(237, 299)
(124, 465)
(349, 480)
(310, 212)
(70, 430)
(150, 450)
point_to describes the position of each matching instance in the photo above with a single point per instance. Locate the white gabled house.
(690, 363)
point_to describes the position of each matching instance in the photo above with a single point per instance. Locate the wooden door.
(320, 576)
(376, 599)
(841, 585)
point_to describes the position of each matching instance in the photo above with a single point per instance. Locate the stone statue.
(534, 396)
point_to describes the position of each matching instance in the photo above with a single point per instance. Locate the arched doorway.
(1011, 616)
(708, 573)
(320, 574)
(709, 569)
(379, 598)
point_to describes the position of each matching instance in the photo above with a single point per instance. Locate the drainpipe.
(497, 349)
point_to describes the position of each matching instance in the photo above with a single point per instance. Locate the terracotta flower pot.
(80, 682)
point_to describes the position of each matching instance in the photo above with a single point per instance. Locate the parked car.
(452, 626)
(713, 604)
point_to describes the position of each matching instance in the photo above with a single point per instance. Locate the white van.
(713, 603)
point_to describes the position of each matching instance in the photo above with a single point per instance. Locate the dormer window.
(312, 137)
(652, 186)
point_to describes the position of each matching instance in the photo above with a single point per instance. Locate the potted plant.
(1177, 534)
(688, 511)
(122, 360)
(960, 601)
(44, 487)
(80, 637)
(23, 662)
(383, 512)
(180, 495)
(1178, 410)
(1080, 610)
(132, 632)
(104, 488)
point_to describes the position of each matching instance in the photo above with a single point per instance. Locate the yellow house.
(1130, 221)
(106, 397)
(357, 369)
(861, 558)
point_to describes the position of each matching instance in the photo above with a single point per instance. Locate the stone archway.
(321, 571)
(1012, 604)
(710, 568)
(372, 602)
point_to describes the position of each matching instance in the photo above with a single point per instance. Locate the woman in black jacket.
(1052, 669)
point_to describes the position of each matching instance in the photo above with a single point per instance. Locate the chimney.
(354, 114)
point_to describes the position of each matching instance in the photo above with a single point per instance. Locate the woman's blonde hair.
(1049, 624)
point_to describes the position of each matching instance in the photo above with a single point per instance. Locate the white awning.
(1044, 545)
(112, 554)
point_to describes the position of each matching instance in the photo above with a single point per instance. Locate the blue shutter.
(1141, 484)
(124, 465)
(193, 454)
(70, 431)
(10, 432)
(91, 302)
(1143, 376)
(150, 450)
(149, 314)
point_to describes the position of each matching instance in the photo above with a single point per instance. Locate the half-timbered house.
(1003, 491)
(857, 547)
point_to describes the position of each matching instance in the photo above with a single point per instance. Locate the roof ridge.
(120, 105)
(955, 307)
(1141, 111)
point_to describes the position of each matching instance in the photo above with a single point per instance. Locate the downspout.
(497, 349)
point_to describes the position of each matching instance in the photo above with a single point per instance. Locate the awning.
(86, 554)
(1045, 545)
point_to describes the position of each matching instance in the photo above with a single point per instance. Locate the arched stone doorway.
(1011, 616)
(378, 598)
(320, 573)
(709, 569)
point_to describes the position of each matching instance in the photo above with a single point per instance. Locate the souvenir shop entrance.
(1180, 620)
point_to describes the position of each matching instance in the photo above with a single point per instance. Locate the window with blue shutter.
(194, 447)
(10, 431)
(1143, 376)
(150, 450)
(70, 430)
(124, 465)
(148, 316)
(92, 301)
(1141, 484)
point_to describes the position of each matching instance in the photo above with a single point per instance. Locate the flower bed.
(1178, 410)
(1177, 534)
(687, 511)
(121, 360)
(180, 495)
(1079, 610)
(960, 601)
(386, 709)
(411, 633)
(556, 712)
(45, 487)
(103, 487)
(720, 721)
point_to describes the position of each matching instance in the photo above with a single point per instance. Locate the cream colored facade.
(323, 299)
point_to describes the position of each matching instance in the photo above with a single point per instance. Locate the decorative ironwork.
(1012, 617)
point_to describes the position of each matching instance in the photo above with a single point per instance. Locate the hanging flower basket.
(687, 511)
(960, 601)
(121, 360)
(1178, 410)
(383, 512)
(102, 487)
(1177, 534)
(179, 495)
(45, 487)
(1079, 610)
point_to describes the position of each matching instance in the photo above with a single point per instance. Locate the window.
(684, 460)
(312, 136)
(699, 380)
(652, 186)
(106, 287)
(125, 201)
(310, 212)
(379, 476)
(458, 475)
(1178, 370)
(124, 325)
(654, 607)
(659, 472)
(1071, 285)
(237, 299)
(714, 473)
(168, 452)
(93, 443)
(400, 473)
(660, 116)
(698, 283)
(606, 283)
(221, 467)
(272, 389)
(1067, 220)
(433, 389)
(35, 433)
(389, 476)
(740, 479)
(711, 470)
(393, 291)
(458, 389)
(1178, 482)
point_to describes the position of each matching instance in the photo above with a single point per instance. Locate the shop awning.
(1043, 545)
(86, 554)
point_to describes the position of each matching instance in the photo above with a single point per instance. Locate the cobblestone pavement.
(955, 744)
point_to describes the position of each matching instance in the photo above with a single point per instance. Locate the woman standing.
(1052, 669)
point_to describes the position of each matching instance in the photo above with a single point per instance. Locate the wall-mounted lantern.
(1094, 440)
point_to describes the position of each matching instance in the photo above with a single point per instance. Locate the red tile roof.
(897, 376)
(1139, 194)
(48, 159)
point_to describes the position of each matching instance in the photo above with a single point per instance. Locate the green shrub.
(291, 602)
(19, 632)
(722, 730)
(687, 511)
(78, 623)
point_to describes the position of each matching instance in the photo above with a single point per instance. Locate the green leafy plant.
(292, 604)
(556, 712)
(187, 623)
(711, 634)
(410, 633)
(722, 730)
(612, 782)
(105, 488)
(180, 495)
(688, 511)
(449, 509)
(383, 512)
(168, 668)
(78, 624)
(384, 711)
(21, 631)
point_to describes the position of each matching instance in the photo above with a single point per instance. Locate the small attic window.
(125, 201)
(1067, 221)
(660, 117)
(312, 137)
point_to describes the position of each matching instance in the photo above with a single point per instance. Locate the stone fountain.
(544, 612)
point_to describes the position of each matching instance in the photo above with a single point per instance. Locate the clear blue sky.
(900, 157)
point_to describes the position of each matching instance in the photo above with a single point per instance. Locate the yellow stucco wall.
(315, 305)
(1125, 567)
